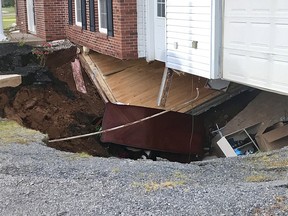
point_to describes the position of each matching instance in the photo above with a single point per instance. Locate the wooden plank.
(92, 77)
(102, 83)
(165, 87)
(108, 65)
(276, 134)
(12, 80)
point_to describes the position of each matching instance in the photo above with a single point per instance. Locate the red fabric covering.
(170, 132)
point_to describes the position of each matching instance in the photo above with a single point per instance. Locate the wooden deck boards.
(138, 83)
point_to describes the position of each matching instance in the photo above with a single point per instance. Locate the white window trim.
(101, 30)
(76, 14)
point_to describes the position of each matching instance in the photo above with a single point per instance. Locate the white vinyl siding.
(141, 27)
(256, 43)
(188, 21)
(102, 11)
(78, 17)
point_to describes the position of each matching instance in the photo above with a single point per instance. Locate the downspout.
(150, 46)
(2, 36)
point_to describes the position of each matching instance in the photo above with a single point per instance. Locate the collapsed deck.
(136, 82)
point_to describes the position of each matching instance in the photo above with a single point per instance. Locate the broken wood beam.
(165, 87)
(93, 74)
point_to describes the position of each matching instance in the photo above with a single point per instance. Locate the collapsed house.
(194, 46)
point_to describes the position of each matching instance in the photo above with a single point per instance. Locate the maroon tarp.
(170, 132)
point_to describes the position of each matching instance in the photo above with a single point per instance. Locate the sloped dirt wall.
(53, 105)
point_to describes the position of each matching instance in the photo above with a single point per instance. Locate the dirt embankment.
(54, 106)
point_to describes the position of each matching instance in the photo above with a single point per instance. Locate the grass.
(258, 178)
(80, 155)
(9, 17)
(12, 132)
(8, 10)
(271, 161)
(154, 186)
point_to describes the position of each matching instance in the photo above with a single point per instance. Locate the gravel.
(37, 180)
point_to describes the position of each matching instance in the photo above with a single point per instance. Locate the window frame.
(101, 29)
(162, 6)
(77, 22)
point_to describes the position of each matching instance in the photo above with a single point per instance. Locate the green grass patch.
(8, 10)
(9, 17)
(12, 132)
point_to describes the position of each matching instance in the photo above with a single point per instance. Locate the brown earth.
(57, 108)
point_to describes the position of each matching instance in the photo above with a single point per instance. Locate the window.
(102, 10)
(161, 8)
(78, 16)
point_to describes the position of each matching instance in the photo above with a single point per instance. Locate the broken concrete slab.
(12, 80)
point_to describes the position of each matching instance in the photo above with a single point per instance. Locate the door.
(256, 43)
(160, 30)
(30, 16)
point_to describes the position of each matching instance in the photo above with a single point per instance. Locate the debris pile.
(261, 126)
(48, 100)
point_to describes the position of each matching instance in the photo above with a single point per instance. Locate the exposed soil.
(55, 107)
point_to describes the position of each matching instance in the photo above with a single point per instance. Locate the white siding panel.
(188, 21)
(183, 17)
(189, 10)
(189, 3)
(141, 28)
(181, 67)
(255, 43)
(189, 37)
(188, 44)
(200, 59)
(188, 51)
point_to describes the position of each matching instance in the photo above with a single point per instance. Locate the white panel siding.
(141, 27)
(188, 21)
(256, 44)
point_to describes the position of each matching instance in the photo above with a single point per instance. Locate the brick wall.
(52, 24)
(128, 17)
(50, 18)
(22, 16)
(124, 43)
